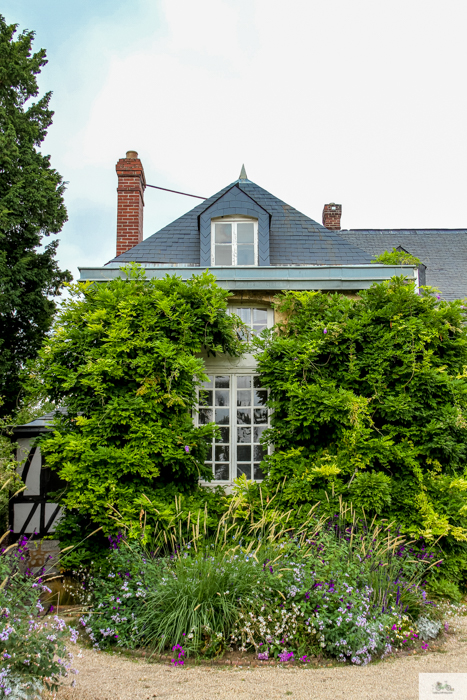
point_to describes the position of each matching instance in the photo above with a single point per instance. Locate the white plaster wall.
(20, 514)
(33, 482)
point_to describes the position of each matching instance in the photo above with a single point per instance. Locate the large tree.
(31, 207)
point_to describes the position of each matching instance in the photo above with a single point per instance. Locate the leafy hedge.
(369, 399)
(123, 360)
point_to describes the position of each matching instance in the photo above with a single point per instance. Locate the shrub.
(196, 603)
(369, 399)
(122, 358)
(34, 655)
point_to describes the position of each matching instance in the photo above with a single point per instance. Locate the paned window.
(234, 243)
(256, 319)
(237, 404)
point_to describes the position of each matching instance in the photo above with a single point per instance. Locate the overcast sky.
(353, 101)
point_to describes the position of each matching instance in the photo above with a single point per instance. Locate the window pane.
(260, 316)
(261, 415)
(223, 233)
(244, 398)
(257, 382)
(205, 398)
(222, 453)
(258, 432)
(243, 453)
(243, 382)
(258, 472)
(208, 384)
(209, 455)
(222, 416)
(223, 382)
(244, 469)
(261, 396)
(244, 417)
(245, 255)
(205, 416)
(222, 397)
(221, 472)
(245, 315)
(258, 452)
(246, 233)
(223, 255)
(225, 435)
(244, 434)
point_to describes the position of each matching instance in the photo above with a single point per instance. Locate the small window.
(234, 242)
(257, 318)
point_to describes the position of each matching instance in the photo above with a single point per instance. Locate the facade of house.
(257, 246)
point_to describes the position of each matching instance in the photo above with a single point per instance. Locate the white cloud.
(357, 102)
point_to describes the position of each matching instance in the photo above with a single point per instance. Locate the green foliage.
(31, 207)
(369, 400)
(371, 490)
(123, 359)
(198, 598)
(35, 654)
(396, 257)
(443, 588)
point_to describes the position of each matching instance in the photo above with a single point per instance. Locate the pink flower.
(425, 646)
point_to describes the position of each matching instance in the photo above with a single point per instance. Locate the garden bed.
(115, 676)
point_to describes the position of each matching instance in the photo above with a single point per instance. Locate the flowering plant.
(34, 655)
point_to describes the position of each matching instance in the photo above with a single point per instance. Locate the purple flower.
(438, 296)
(187, 449)
(285, 656)
(425, 646)
(263, 656)
(325, 331)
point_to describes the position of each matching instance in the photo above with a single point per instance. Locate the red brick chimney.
(332, 216)
(131, 186)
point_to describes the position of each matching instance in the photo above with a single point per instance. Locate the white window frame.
(233, 306)
(234, 220)
(233, 425)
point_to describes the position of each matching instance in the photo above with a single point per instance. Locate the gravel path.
(112, 677)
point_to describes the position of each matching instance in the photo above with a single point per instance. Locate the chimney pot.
(131, 154)
(332, 216)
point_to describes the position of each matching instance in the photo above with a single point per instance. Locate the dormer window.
(234, 241)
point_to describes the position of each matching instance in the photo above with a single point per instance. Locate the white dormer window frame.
(232, 240)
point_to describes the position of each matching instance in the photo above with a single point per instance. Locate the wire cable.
(175, 191)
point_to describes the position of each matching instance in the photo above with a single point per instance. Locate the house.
(256, 245)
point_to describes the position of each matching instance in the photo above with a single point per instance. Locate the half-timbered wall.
(31, 511)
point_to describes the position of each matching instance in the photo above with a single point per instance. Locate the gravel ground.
(112, 677)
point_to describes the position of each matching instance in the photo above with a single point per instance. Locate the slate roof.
(443, 251)
(38, 425)
(294, 239)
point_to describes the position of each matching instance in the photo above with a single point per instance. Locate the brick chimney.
(131, 186)
(332, 216)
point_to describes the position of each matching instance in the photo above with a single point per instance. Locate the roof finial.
(243, 175)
